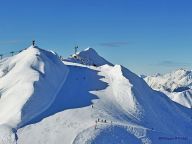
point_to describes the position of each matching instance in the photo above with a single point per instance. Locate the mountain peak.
(88, 52)
(88, 57)
(90, 49)
(180, 73)
(180, 70)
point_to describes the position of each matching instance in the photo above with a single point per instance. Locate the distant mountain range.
(177, 85)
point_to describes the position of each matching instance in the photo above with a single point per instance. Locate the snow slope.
(138, 114)
(89, 103)
(177, 85)
(29, 83)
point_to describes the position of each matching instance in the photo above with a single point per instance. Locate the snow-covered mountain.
(88, 57)
(29, 83)
(177, 85)
(47, 101)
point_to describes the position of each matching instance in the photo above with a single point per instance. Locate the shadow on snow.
(75, 92)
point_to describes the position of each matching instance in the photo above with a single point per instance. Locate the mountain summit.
(88, 57)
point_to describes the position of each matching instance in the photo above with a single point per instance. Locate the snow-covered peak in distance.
(170, 81)
(88, 57)
(157, 74)
(176, 84)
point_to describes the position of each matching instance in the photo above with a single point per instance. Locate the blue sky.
(146, 36)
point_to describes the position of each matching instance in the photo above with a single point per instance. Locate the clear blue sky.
(146, 36)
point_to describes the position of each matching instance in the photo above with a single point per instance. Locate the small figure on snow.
(33, 42)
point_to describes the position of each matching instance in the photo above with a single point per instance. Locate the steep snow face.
(88, 57)
(184, 98)
(29, 82)
(177, 85)
(140, 103)
(134, 113)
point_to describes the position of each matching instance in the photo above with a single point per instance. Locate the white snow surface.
(171, 82)
(138, 114)
(94, 105)
(29, 83)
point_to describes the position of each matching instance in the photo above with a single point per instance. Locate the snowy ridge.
(184, 98)
(127, 102)
(177, 85)
(27, 85)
